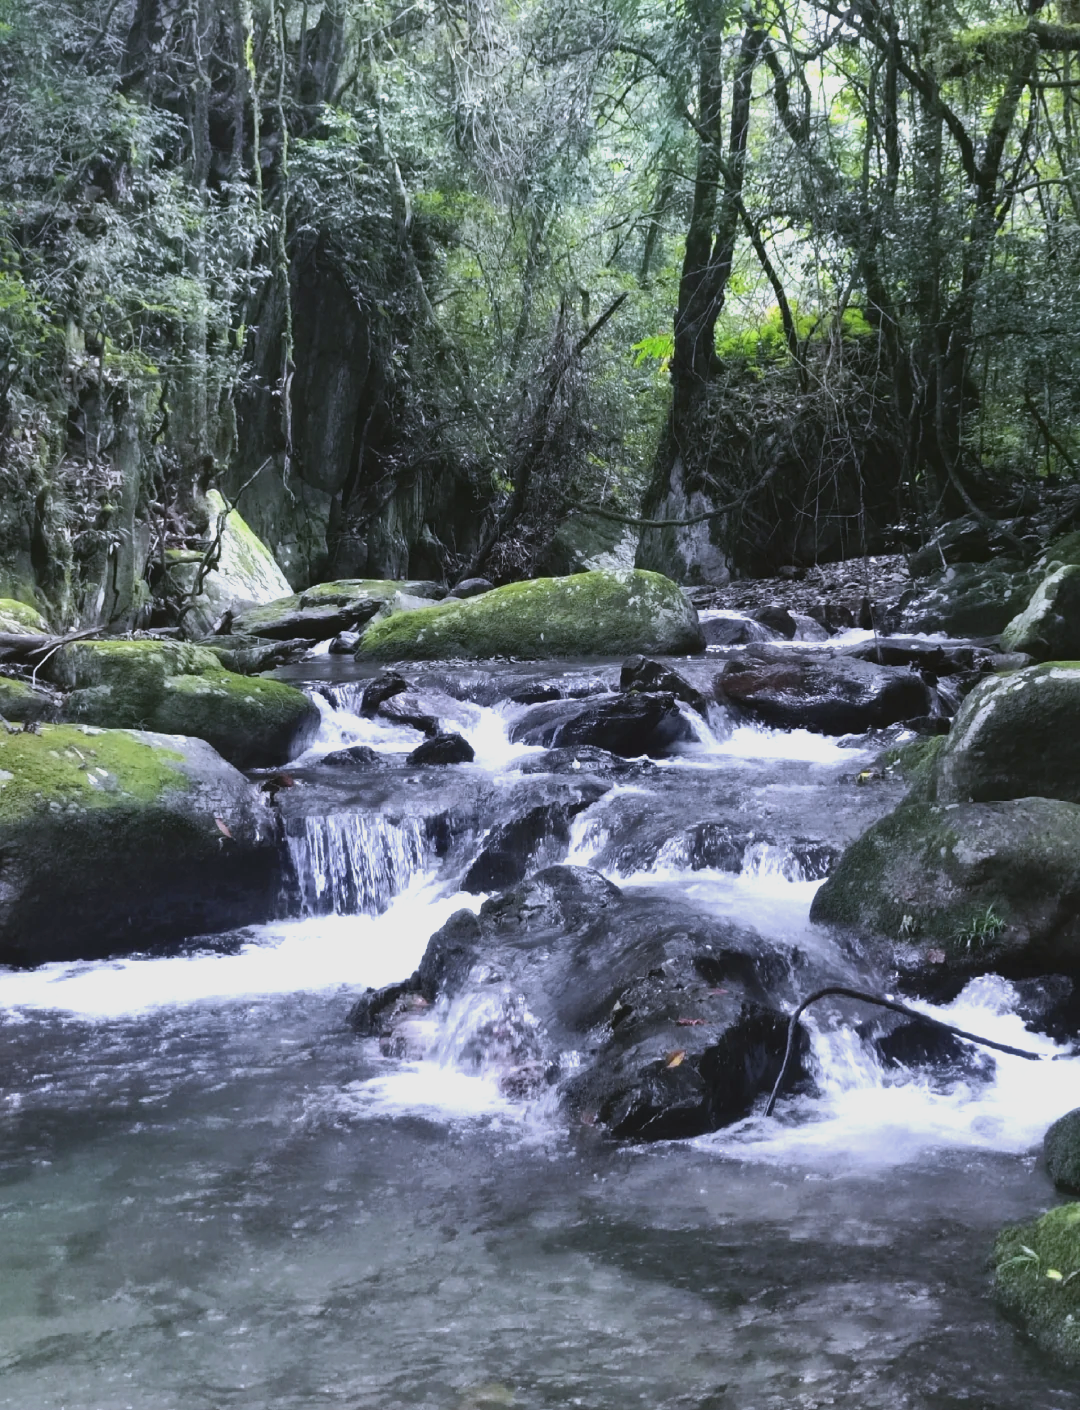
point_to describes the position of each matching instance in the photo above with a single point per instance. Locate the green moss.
(915, 762)
(18, 618)
(1061, 1148)
(65, 766)
(588, 614)
(1037, 1280)
(1063, 550)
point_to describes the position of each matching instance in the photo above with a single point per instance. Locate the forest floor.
(883, 579)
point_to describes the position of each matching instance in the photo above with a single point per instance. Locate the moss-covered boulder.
(966, 599)
(1015, 736)
(1061, 1149)
(114, 840)
(326, 609)
(1037, 1280)
(1049, 626)
(179, 688)
(588, 614)
(17, 619)
(22, 703)
(979, 886)
(245, 574)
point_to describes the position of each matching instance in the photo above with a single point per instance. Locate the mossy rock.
(18, 619)
(113, 840)
(246, 572)
(179, 688)
(1037, 1280)
(916, 763)
(588, 614)
(1063, 550)
(1015, 736)
(328, 608)
(1049, 626)
(21, 703)
(1061, 1148)
(986, 886)
(966, 599)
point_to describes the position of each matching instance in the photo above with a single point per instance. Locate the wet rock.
(381, 689)
(371, 1015)
(356, 756)
(934, 658)
(735, 631)
(1026, 1259)
(623, 724)
(981, 887)
(328, 608)
(832, 616)
(120, 840)
(177, 688)
(1061, 1150)
(471, 587)
(443, 749)
(1015, 736)
(832, 694)
(641, 674)
(345, 644)
(1049, 626)
(965, 600)
(778, 619)
(251, 655)
(514, 848)
(679, 1017)
(808, 628)
(588, 614)
(409, 708)
(581, 759)
(22, 703)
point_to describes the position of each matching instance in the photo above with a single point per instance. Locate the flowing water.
(214, 1195)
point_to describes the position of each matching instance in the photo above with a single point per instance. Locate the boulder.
(1034, 1284)
(381, 689)
(778, 619)
(117, 840)
(251, 655)
(328, 609)
(640, 674)
(514, 848)
(1061, 1150)
(821, 691)
(1049, 626)
(178, 688)
(22, 703)
(678, 1019)
(443, 749)
(17, 619)
(629, 725)
(967, 599)
(470, 587)
(245, 573)
(582, 759)
(356, 756)
(589, 614)
(1015, 736)
(735, 631)
(932, 657)
(974, 887)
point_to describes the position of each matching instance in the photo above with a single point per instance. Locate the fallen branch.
(842, 991)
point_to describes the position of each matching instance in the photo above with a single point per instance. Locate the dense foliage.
(426, 284)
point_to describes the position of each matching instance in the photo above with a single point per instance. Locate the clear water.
(213, 1195)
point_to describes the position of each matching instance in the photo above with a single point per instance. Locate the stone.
(514, 848)
(22, 703)
(1015, 736)
(120, 840)
(778, 619)
(345, 644)
(629, 725)
(381, 689)
(1061, 1150)
(1049, 626)
(179, 688)
(17, 619)
(1034, 1284)
(964, 600)
(327, 609)
(821, 691)
(582, 759)
(443, 749)
(734, 631)
(935, 658)
(589, 614)
(244, 575)
(992, 887)
(470, 587)
(251, 655)
(356, 756)
(641, 674)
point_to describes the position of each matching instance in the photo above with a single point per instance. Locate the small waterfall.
(353, 863)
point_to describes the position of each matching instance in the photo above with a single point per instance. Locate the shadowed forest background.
(438, 289)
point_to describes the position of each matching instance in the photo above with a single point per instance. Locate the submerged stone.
(589, 614)
(443, 749)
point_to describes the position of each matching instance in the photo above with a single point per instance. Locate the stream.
(215, 1195)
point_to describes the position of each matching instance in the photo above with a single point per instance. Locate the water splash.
(353, 863)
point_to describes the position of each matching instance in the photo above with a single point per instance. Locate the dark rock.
(407, 708)
(312, 623)
(681, 1017)
(778, 619)
(967, 599)
(630, 725)
(833, 616)
(1061, 1148)
(967, 540)
(825, 692)
(443, 749)
(929, 724)
(345, 644)
(735, 631)
(357, 755)
(381, 689)
(641, 674)
(471, 587)
(584, 758)
(369, 1017)
(514, 848)
(808, 628)
(935, 658)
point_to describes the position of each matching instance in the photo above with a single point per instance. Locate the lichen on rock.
(587, 614)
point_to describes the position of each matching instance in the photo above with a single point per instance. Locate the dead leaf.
(690, 1022)
(223, 827)
(675, 1058)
